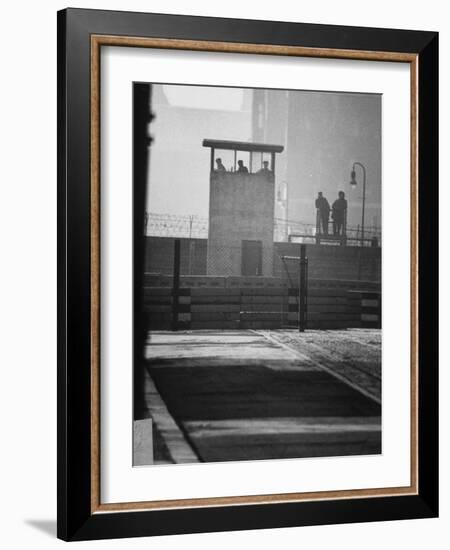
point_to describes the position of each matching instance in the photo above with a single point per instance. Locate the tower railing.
(331, 230)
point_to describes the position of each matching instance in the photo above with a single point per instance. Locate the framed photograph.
(247, 256)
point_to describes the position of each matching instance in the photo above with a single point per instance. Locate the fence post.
(318, 232)
(302, 306)
(176, 283)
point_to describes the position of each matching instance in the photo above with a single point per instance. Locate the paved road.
(245, 395)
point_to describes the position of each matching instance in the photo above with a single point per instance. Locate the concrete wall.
(325, 262)
(241, 207)
(159, 255)
(330, 262)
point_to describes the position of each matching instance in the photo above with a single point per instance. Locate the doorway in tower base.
(251, 258)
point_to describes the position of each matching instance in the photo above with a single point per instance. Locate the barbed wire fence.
(196, 227)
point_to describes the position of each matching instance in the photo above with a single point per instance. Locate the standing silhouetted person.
(242, 168)
(339, 213)
(323, 208)
(265, 169)
(220, 167)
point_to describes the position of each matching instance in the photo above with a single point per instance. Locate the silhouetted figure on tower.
(323, 208)
(242, 168)
(339, 214)
(220, 167)
(265, 169)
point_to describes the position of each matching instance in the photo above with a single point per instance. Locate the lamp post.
(354, 183)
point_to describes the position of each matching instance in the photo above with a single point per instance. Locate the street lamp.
(354, 183)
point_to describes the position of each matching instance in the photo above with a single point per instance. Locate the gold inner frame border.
(97, 41)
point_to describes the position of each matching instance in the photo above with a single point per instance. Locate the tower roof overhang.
(242, 146)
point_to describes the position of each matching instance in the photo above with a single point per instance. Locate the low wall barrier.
(262, 307)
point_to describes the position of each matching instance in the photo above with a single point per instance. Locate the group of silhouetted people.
(338, 213)
(241, 168)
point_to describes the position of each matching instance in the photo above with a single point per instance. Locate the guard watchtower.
(241, 208)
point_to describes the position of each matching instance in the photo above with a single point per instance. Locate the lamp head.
(353, 181)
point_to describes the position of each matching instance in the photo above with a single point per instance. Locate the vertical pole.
(317, 227)
(212, 160)
(363, 205)
(176, 283)
(363, 168)
(142, 116)
(344, 230)
(286, 215)
(191, 219)
(302, 305)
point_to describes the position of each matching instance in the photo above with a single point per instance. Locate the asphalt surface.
(248, 395)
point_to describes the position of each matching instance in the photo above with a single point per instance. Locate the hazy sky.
(323, 134)
(198, 97)
(179, 164)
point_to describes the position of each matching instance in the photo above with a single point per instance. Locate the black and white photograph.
(224, 291)
(257, 274)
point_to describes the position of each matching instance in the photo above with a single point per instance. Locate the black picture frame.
(76, 519)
